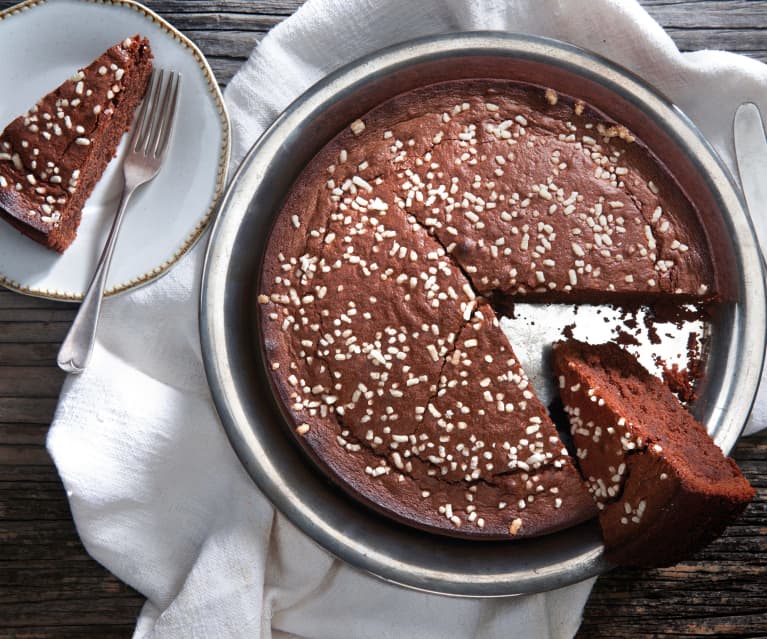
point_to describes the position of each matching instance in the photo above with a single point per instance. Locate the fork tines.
(152, 132)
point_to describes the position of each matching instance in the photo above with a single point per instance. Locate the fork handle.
(77, 347)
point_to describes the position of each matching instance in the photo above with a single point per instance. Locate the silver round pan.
(230, 335)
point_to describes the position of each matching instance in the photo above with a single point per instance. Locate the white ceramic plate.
(41, 44)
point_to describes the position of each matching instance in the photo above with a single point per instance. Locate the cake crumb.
(680, 382)
(303, 429)
(515, 526)
(551, 97)
(357, 127)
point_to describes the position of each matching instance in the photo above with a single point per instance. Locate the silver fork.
(146, 151)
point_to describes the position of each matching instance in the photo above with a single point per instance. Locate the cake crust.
(52, 156)
(380, 267)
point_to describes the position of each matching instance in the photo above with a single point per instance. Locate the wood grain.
(51, 589)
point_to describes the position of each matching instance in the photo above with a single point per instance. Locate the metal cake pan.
(230, 334)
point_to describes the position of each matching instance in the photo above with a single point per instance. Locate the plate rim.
(216, 339)
(222, 172)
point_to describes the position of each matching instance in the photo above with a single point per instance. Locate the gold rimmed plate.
(41, 44)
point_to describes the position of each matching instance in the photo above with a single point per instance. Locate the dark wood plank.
(29, 410)
(30, 382)
(51, 589)
(42, 314)
(61, 631)
(20, 332)
(11, 300)
(28, 354)
(168, 8)
(708, 14)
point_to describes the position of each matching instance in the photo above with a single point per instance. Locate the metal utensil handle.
(751, 156)
(78, 345)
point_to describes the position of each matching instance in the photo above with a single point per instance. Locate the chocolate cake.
(664, 489)
(376, 291)
(52, 156)
(402, 385)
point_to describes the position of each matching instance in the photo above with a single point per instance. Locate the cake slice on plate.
(52, 156)
(663, 487)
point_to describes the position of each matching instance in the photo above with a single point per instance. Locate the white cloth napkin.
(156, 492)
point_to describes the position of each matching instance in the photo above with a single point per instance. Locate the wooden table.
(50, 588)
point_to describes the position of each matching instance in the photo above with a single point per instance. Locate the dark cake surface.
(52, 157)
(403, 385)
(664, 489)
(373, 297)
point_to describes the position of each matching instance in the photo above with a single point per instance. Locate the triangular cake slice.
(664, 489)
(52, 156)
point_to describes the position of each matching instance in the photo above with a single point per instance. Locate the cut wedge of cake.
(52, 156)
(664, 489)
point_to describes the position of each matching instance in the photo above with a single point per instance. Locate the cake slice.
(664, 489)
(52, 156)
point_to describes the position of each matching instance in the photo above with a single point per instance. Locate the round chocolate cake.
(384, 266)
